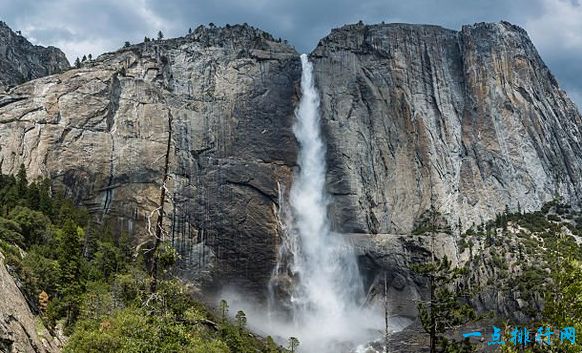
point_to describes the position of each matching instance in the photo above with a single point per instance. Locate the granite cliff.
(468, 122)
(20, 61)
(101, 131)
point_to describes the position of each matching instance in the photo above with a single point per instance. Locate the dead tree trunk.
(160, 219)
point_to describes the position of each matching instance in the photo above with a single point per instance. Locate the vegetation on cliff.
(83, 277)
(532, 261)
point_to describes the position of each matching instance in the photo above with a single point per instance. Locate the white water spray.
(326, 300)
(316, 289)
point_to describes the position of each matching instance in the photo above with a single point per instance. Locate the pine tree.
(22, 181)
(127, 44)
(33, 196)
(45, 200)
(444, 310)
(69, 258)
(84, 58)
(223, 307)
(90, 57)
(159, 232)
(70, 263)
(293, 344)
(190, 30)
(241, 319)
(160, 35)
(563, 303)
(78, 63)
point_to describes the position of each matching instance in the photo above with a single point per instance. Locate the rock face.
(20, 330)
(467, 121)
(20, 61)
(101, 132)
(472, 120)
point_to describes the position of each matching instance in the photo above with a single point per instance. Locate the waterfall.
(328, 277)
(327, 293)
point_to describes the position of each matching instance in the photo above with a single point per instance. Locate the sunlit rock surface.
(472, 120)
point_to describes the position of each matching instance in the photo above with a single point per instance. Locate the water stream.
(326, 296)
(316, 289)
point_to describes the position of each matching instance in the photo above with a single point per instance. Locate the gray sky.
(95, 26)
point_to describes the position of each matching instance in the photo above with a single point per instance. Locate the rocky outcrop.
(101, 133)
(470, 121)
(20, 330)
(20, 61)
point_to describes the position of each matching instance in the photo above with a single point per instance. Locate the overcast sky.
(95, 26)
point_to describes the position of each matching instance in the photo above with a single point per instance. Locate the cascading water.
(327, 292)
(316, 291)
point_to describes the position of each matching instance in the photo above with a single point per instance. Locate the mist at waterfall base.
(325, 306)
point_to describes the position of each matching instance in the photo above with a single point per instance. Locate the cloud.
(557, 33)
(576, 96)
(82, 27)
(559, 27)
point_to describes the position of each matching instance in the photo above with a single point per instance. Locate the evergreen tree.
(10, 196)
(22, 181)
(160, 35)
(223, 307)
(78, 63)
(190, 30)
(293, 344)
(127, 44)
(241, 319)
(70, 263)
(33, 196)
(45, 204)
(84, 58)
(444, 310)
(70, 253)
(563, 303)
(90, 57)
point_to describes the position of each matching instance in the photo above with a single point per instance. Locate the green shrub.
(134, 331)
(11, 232)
